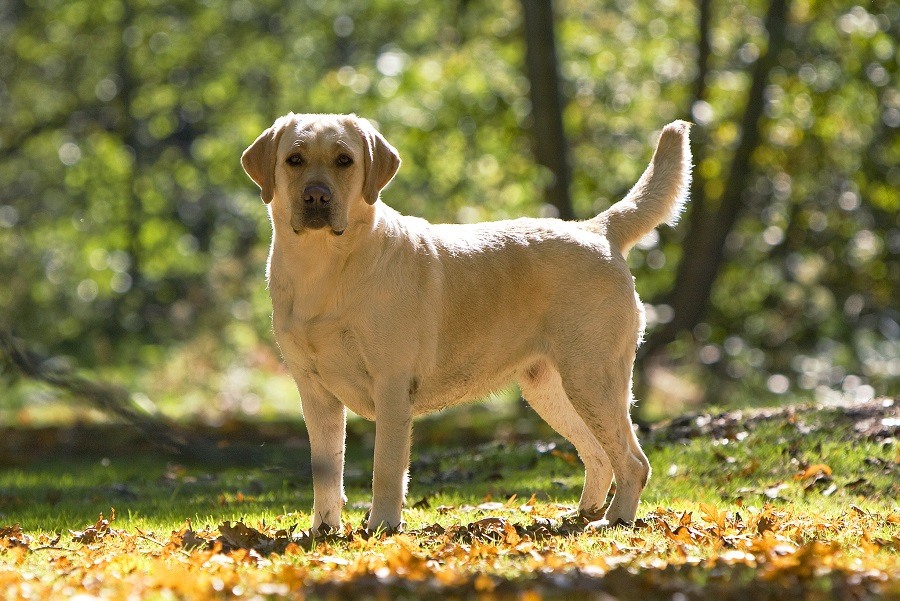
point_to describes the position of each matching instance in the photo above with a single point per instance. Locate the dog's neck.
(311, 263)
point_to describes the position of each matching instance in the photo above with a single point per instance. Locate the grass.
(746, 498)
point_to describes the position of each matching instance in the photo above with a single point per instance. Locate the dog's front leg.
(326, 423)
(393, 431)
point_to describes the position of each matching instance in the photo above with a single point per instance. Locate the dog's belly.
(323, 353)
(428, 399)
(464, 380)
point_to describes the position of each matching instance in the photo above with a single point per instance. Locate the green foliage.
(128, 228)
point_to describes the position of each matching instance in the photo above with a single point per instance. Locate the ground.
(795, 502)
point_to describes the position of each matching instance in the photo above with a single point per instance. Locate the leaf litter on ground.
(772, 551)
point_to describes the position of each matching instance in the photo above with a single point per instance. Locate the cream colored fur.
(394, 317)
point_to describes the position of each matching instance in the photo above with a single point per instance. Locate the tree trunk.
(550, 147)
(135, 214)
(704, 247)
(704, 48)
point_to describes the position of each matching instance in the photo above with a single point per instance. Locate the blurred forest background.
(132, 245)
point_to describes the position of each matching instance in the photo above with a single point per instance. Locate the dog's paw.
(605, 523)
(601, 524)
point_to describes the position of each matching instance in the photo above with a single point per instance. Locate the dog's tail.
(658, 196)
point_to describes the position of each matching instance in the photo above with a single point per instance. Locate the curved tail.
(658, 196)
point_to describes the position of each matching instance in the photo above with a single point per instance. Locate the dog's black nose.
(317, 194)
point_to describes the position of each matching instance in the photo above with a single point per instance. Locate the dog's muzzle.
(315, 208)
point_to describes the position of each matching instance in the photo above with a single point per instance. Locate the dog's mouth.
(315, 218)
(316, 224)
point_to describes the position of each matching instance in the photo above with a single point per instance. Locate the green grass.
(152, 490)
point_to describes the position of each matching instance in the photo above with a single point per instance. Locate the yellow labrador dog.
(394, 317)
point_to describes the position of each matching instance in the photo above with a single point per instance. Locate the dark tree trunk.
(704, 247)
(704, 48)
(549, 140)
(126, 129)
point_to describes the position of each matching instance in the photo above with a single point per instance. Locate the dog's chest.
(324, 351)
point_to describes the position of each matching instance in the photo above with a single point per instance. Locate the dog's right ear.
(259, 158)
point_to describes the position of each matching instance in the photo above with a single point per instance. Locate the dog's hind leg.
(602, 397)
(542, 388)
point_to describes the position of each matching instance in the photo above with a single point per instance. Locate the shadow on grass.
(60, 478)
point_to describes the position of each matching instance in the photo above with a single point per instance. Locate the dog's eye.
(295, 160)
(343, 160)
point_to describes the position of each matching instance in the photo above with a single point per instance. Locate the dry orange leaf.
(816, 469)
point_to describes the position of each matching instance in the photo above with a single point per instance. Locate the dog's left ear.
(259, 158)
(381, 160)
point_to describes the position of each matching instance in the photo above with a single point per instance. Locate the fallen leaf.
(190, 540)
(712, 515)
(96, 532)
(764, 524)
(817, 469)
(12, 537)
(240, 536)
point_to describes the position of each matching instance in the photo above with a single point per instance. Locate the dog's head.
(320, 171)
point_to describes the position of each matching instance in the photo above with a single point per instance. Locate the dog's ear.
(259, 158)
(381, 160)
